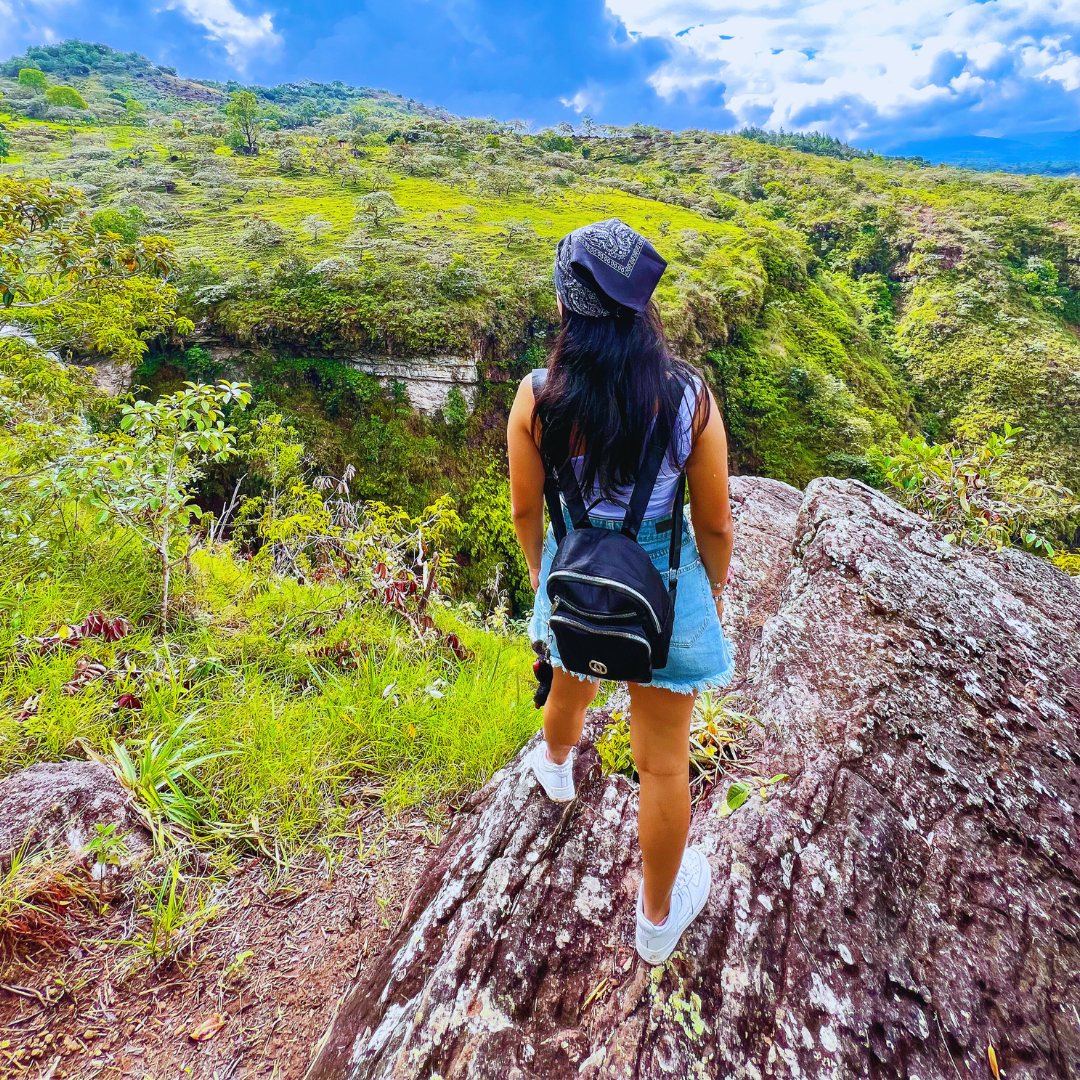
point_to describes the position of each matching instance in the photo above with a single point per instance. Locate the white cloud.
(867, 68)
(242, 35)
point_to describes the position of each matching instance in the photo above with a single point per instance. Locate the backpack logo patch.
(600, 669)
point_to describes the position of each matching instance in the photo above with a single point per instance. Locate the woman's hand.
(719, 601)
(534, 579)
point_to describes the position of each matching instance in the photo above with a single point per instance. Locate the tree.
(517, 231)
(143, 478)
(33, 79)
(262, 233)
(243, 111)
(65, 97)
(315, 225)
(75, 286)
(351, 175)
(378, 179)
(378, 208)
(289, 159)
(5, 144)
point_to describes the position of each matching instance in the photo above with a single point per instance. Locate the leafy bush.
(974, 495)
(144, 477)
(491, 540)
(65, 97)
(1068, 561)
(126, 224)
(459, 280)
(262, 233)
(33, 79)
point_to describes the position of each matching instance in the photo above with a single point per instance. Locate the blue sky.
(876, 72)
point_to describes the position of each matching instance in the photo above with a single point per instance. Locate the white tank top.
(662, 500)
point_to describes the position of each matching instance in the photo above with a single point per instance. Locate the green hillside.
(836, 300)
(282, 604)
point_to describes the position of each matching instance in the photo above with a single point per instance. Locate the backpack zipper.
(561, 601)
(618, 586)
(640, 639)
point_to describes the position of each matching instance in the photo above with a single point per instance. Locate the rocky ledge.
(910, 895)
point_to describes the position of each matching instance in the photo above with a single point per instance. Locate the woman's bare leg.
(660, 740)
(564, 713)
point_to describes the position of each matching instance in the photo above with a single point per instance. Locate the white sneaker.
(556, 780)
(688, 897)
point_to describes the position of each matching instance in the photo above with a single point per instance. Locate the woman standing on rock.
(619, 422)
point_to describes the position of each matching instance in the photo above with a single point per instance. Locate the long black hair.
(608, 380)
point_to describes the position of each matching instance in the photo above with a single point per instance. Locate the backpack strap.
(675, 551)
(562, 480)
(653, 458)
(655, 453)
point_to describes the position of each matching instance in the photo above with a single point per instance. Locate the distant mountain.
(1052, 152)
(298, 102)
(1048, 139)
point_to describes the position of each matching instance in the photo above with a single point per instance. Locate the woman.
(609, 377)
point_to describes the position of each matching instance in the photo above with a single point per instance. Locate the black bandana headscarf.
(606, 269)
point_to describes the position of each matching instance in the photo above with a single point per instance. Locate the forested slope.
(836, 300)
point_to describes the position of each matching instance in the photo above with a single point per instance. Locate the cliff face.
(911, 893)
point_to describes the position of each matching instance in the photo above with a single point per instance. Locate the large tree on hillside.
(378, 209)
(243, 110)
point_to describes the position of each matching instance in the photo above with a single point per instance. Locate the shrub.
(489, 532)
(127, 225)
(974, 495)
(34, 79)
(261, 233)
(289, 159)
(459, 280)
(65, 96)
(315, 225)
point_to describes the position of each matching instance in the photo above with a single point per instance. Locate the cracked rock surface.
(911, 893)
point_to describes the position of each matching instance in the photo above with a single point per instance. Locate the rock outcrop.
(428, 380)
(909, 895)
(58, 804)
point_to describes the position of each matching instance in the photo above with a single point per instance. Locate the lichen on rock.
(908, 895)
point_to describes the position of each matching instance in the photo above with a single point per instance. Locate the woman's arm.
(707, 476)
(527, 479)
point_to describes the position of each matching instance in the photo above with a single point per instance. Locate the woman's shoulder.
(693, 410)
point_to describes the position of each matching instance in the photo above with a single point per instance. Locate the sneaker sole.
(654, 957)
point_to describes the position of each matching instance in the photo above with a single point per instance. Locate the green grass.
(298, 740)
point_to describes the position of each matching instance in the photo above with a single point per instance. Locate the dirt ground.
(98, 1012)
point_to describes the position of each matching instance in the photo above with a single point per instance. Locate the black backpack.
(611, 610)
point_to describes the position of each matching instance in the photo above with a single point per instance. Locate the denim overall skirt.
(700, 657)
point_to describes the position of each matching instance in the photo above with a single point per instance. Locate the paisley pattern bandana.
(605, 269)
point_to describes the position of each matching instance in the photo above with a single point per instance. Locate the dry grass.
(41, 894)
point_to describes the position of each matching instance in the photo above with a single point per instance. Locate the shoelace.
(682, 883)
